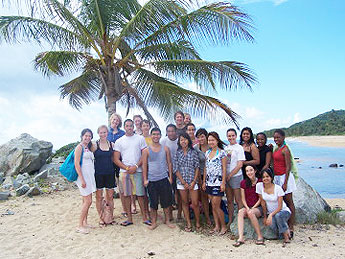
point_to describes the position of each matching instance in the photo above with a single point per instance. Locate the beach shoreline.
(321, 141)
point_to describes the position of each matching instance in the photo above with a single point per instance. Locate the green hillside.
(328, 123)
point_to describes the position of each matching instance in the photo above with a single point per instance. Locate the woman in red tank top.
(282, 176)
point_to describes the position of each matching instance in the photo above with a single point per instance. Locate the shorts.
(291, 184)
(131, 184)
(181, 187)
(105, 181)
(160, 192)
(235, 182)
(214, 191)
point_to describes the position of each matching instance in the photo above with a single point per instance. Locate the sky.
(298, 58)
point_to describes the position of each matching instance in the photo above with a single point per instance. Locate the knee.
(251, 214)
(88, 202)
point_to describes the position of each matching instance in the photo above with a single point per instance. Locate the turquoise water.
(329, 182)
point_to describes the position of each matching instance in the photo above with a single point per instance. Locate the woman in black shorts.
(104, 171)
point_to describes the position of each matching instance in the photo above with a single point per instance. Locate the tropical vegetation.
(138, 55)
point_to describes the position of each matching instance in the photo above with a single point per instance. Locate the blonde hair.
(101, 127)
(118, 116)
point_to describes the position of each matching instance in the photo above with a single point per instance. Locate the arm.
(287, 156)
(204, 179)
(256, 157)
(264, 209)
(196, 175)
(77, 156)
(144, 166)
(279, 208)
(119, 163)
(196, 170)
(268, 160)
(256, 204)
(236, 169)
(93, 147)
(170, 167)
(224, 162)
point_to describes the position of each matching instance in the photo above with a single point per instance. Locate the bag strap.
(82, 153)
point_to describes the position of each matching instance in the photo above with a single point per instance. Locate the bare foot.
(152, 227)
(89, 226)
(82, 230)
(170, 225)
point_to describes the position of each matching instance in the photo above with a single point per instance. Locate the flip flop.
(82, 231)
(124, 214)
(126, 223)
(102, 224)
(260, 242)
(285, 243)
(222, 233)
(147, 222)
(238, 243)
(188, 229)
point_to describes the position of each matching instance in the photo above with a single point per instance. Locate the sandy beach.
(44, 227)
(321, 141)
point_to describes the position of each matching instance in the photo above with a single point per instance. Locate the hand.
(265, 221)
(204, 186)
(186, 186)
(83, 183)
(132, 169)
(192, 185)
(228, 178)
(269, 220)
(284, 187)
(170, 180)
(222, 187)
(146, 182)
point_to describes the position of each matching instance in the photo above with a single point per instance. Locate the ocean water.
(329, 182)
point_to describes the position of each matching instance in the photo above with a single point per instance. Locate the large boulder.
(24, 154)
(308, 203)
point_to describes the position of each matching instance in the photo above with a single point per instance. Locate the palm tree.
(138, 55)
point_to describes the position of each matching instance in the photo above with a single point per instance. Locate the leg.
(141, 201)
(133, 204)
(87, 200)
(289, 202)
(253, 216)
(230, 198)
(99, 198)
(220, 214)
(154, 219)
(237, 194)
(215, 213)
(185, 206)
(194, 194)
(179, 204)
(127, 203)
(205, 206)
(109, 198)
(240, 222)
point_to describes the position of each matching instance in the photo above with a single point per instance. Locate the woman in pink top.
(251, 206)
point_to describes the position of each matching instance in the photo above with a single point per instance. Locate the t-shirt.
(172, 145)
(180, 131)
(272, 199)
(250, 193)
(130, 148)
(202, 159)
(214, 172)
(234, 153)
(148, 140)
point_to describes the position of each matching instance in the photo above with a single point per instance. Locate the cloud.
(275, 2)
(297, 117)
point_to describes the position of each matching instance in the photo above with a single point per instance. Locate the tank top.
(279, 164)
(248, 156)
(103, 160)
(157, 165)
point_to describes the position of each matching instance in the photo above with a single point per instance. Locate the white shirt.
(234, 154)
(171, 144)
(271, 199)
(130, 148)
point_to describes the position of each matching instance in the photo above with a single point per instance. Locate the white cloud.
(253, 113)
(275, 2)
(297, 117)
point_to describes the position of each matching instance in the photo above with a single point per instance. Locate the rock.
(341, 165)
(24, 154)
(22, 190)
(16, 184)
(7, 186)
(249, 231)
(4, 195)
(333, 165)
(34, 191)
(2, 177)
(308, 203)
(341, 215)
(42, 175)
(319, 167)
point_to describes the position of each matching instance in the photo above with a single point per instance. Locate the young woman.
(275, 212)
(86, 177)
(251, 206)
(251, 152)
(283, 166)
(187, 118)
(214, 179)
(190, 129)
(104, 172)
(202, 147)
(145, 126)
(235, 158)
(137, 119)
(187, 171)
(265, 153)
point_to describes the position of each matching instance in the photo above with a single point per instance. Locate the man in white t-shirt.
(129, 148)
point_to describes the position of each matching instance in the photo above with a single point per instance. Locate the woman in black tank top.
(251, 152)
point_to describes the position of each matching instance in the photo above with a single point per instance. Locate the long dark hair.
(248, 181)
(201, 131)
(251, 138)
(214, 134)
(269, 172)
(83, 132)
(186, 136)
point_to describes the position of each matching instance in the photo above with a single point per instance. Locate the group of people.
(188, 169)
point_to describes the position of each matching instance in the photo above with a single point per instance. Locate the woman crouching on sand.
(187, 171)
(104, 175)
(214, 179)
(251, 206)
(276, 213)
(86, 177)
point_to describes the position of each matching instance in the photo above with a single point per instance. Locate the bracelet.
(127, 167)
(136, 166)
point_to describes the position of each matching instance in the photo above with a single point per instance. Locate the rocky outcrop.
(24, 154)
(308, 202)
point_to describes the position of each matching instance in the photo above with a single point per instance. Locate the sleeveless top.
(103, 160)
(157, 165)
(248, 156)
(262, 153)
(279, 164)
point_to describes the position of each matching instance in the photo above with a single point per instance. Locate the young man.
(130, 148)
(179, 120)
(156, 163)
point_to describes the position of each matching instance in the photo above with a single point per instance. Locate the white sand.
(321, 141)
(43, 227)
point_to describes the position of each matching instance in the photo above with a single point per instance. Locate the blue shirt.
(113, 137)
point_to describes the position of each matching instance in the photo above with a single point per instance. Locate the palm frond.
(60, 62)
(81, 90)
